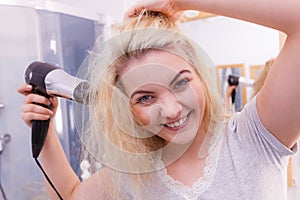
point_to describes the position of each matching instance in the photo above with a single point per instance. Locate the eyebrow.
(177, 75)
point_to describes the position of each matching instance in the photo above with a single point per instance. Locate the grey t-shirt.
(247, 163)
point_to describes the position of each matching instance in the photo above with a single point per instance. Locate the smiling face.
(166, 95)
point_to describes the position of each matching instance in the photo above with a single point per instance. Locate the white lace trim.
(200, 186)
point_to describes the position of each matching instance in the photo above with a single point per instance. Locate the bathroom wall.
(232, 41)
(18, 39)
(229, 40)
(27, 35)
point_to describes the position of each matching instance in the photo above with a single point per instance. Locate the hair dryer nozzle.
(60, 83)
(49, 80)
(236, 80)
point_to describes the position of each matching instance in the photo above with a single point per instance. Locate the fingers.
(25, 89)
(178, 16)
(54, 102)
(168, 7)
(32, 108)
(129, 13)
(34, 112)
(30, 98)
(230, 89)
(153, 5)
(135, 9)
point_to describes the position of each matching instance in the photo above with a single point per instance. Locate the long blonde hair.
(113, 136)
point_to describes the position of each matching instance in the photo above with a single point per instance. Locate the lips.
(177, 124)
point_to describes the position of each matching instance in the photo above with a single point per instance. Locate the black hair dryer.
(236, 80)
(49, 80)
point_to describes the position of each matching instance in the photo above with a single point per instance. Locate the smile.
(174, 126)
(178, 123)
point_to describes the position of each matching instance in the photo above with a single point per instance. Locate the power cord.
(48, 179)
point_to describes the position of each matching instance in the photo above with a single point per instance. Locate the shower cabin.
(29, 32)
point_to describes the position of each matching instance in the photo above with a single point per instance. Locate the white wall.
(112, 10)
(230, 41)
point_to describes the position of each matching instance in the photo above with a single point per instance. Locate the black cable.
(2, 191)
(48, 179)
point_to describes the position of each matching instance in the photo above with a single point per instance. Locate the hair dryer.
(236, 80)
(48, 80)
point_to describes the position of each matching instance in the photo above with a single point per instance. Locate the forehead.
(156, 67)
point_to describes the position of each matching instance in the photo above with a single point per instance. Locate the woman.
(170, 142)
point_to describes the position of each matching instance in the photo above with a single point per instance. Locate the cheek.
(148, 116)
(201, 97)
(142, 116)
(193, 97)
(199, 90)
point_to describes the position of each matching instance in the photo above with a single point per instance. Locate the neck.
(198, 145)
(188, 167)
(188, 152)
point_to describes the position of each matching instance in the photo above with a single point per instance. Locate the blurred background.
(61, 32)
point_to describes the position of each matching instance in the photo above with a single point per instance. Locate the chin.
(180, 138)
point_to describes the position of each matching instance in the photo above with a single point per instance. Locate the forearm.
(57, 167)
(277, 14)
(228, 106)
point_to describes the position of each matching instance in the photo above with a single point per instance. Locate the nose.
(170, 106)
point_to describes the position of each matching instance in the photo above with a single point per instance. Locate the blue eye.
(147, 99)
(181, 83)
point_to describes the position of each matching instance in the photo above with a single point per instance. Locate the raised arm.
(278, 103)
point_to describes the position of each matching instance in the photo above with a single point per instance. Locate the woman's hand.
(30, 108)
(168, 7)
(229, 91)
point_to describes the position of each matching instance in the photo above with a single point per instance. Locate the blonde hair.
(113, 136)
(260, 80)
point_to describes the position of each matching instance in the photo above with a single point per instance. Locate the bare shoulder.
(97, 186)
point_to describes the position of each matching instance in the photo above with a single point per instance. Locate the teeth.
(178, 123)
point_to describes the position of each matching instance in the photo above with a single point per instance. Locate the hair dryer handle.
(38, 136)
(39, 128)
(233, 93)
